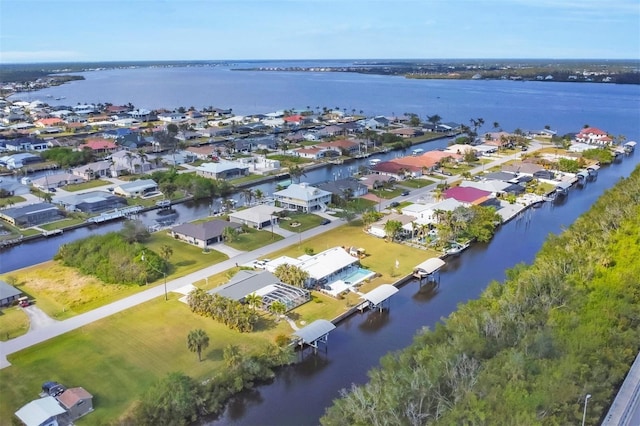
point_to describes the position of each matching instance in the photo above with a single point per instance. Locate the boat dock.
(116, 214)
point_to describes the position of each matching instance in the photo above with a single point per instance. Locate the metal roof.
(37, 412)
(380, 294)
(315, 330)
(431, 265)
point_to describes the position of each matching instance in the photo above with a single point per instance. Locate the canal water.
(300, 393)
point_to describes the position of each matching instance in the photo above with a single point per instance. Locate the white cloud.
(38, 56)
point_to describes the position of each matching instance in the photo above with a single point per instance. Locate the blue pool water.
(358, 275)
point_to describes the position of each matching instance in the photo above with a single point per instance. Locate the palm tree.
(254, 300)
(197, 341)
(278, 308)
(258, 194)
(129, 156)
(166, 252)
(391, 228)
(229, 234)
(434, 119)
(296, 172)
(248, 195)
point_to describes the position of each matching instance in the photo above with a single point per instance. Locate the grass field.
(253, 239)
(59, 224)
(10, 201)
(96, 183)
(306, 221)
(119, 357)
(13, 323)
(415, 183)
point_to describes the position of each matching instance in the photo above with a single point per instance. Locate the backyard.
(119, 357)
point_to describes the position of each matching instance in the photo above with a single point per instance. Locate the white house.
(222, 170)
(303, 197)
(426, 213)
(593, 136)
(136, 188)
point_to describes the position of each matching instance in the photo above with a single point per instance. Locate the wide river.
(300, 394)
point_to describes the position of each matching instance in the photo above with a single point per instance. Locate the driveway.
(37, 318)
(229, 251)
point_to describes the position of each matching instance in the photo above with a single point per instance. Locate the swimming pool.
(358, 276)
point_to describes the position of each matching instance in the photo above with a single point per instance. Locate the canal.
(42, 250)
(299, 394)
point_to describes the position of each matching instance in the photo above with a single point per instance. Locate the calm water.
(299, 394)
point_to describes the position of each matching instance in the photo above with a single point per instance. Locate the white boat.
(375, 161)
(456, 248)
(417, 151)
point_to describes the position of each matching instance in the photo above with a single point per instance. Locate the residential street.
(55, 328)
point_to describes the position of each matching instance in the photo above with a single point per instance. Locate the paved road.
(58, 328)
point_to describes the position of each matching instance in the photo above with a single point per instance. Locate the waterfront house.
(426, 213)
(8, 294)
(397, 170)
(25, 144)
(594, 136)
(222, 170)
(468, 195)
(92, 202)
(18, 161)
(303, 197)
(57, 180)
(95, 170)
(203, 234)
(258, 217)
(42, 412)
(375, 181)
(266, 285)
(407, 132)
(317, 152)
(136, 188)
(346, 146)
(131, 161)
(377, 228)
(31, 215)
(344, 188)
(524, 168)
(323, 268)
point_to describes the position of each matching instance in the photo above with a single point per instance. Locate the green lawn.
(416, 183)
(253, 239)
(305, 221)
(387, 193)
(86, 185)
(360, 205)
(63, 223)
(13, 323)
(245, 179)
(10, 201)
(119, 357)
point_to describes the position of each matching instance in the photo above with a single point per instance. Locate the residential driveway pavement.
(229, 251)
(37, 318)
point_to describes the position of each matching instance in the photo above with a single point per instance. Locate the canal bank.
(360, 340)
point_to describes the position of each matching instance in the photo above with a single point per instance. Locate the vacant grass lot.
(387, 193)
(415, 183)
(119, 357)
(70, 221)
(252, 239)
(96, 183)
(306, 221)
(62, 292)
(10, 201)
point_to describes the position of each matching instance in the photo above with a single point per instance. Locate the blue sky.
(95, 30)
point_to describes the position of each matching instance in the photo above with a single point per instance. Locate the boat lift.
(375, 298)
(315, 333)
(428, 269)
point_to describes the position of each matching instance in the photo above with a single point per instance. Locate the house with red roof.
(594, 136)
(467, 195)
(48, 122)
(294, 119)
(397, 170)
(99, 146)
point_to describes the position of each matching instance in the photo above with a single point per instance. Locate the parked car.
(24, 301)
(404, 193)
(325, 222)
(394, 204)
(53, 388)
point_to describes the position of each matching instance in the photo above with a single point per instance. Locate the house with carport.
(222, 170)
(260, 216)
(8, 294)
(43, 412)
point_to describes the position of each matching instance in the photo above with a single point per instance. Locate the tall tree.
(296, 172)
(254, 300)
(197, 341)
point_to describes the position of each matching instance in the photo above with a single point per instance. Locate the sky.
(135, 30)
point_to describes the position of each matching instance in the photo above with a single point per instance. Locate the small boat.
(375, 161)
(417, 151)
(455, 249)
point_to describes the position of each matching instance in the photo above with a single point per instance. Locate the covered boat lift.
(316, 332)
(428, 268)
(593, 169)
(562, 188)
(629, 147)
(376, 297)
